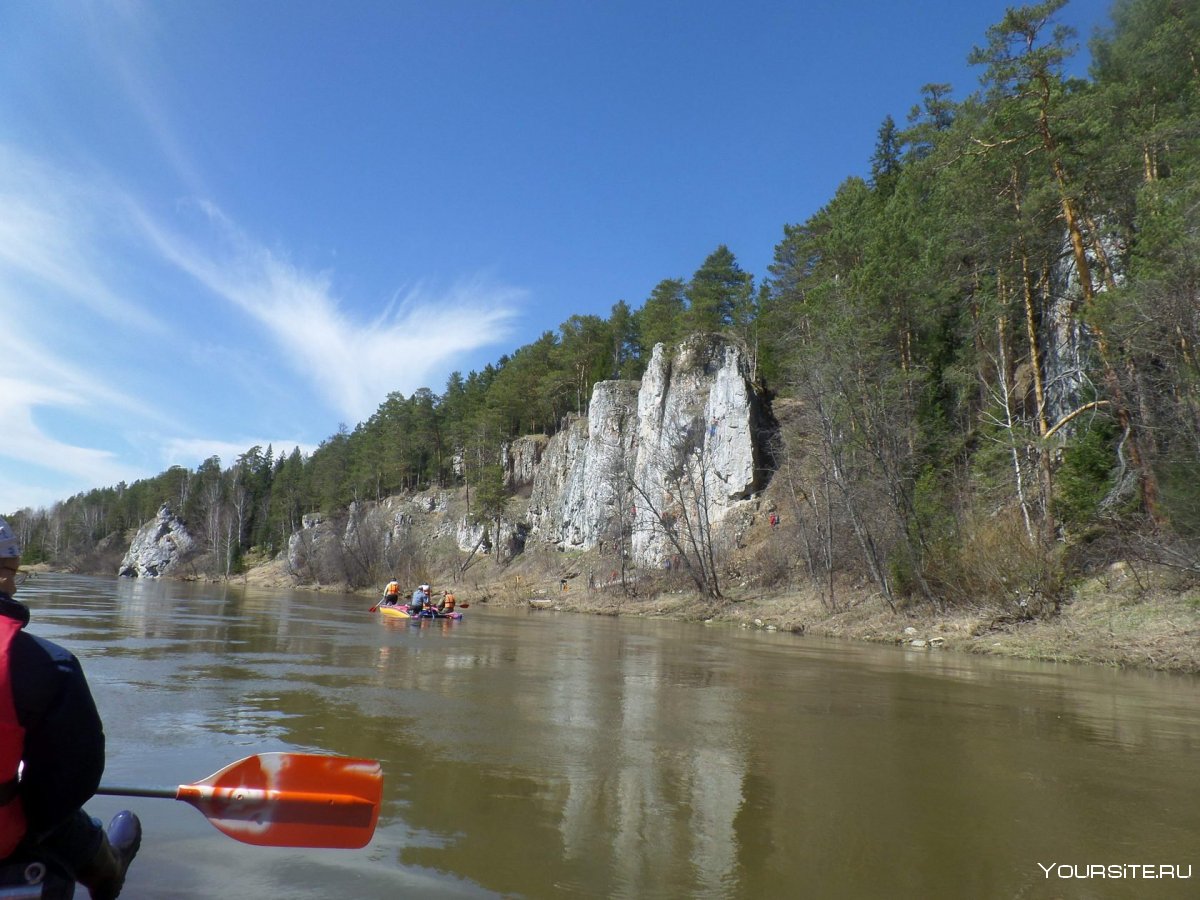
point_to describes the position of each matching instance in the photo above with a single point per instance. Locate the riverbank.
(1121, 619)
(1124, 618)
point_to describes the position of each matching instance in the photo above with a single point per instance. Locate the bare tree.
(363, 559)
(676, 495)
(809, 496)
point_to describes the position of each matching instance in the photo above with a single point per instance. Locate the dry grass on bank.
(1115, 620)
(1156, 630)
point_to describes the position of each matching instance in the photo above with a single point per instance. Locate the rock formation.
(651, 468)
(580, 493)
(160, 547)
(701, 428)
(519, 459)
(473, 536)
(680, 451)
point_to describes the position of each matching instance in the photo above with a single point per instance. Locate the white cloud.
(75, 385)
(58, 294)
(351, 364)
(17, 493)
(92, 347)
(107, 347)
(56, 235)
(25, 442)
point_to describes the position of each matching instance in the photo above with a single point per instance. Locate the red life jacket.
(12, 746)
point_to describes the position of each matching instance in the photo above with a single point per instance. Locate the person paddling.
(50, 727)
(420, 599)
(391, 594)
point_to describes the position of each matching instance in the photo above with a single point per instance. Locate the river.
(537, 754)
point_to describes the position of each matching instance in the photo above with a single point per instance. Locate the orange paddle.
(285, 799)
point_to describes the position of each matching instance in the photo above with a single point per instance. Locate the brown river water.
(537, 754)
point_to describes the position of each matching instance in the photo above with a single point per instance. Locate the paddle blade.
(292, 800)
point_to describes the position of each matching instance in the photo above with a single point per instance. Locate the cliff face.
(1066, 340)
(700, 430)
(160, 547)
(519, 459)
(676, 454)
(680, 451)
(580, 490)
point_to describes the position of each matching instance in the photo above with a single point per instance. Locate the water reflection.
(547, 755)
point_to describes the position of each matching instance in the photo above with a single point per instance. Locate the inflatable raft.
(401, 612)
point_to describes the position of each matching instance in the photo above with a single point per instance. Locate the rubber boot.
(104, 876)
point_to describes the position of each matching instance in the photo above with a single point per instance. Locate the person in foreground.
(51, 760)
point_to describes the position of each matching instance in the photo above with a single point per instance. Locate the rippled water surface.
(536, 754)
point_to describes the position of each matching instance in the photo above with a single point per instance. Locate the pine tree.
(661, 318)
(885, 162)
(718, 289)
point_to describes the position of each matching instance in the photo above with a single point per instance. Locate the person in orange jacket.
(391, 594)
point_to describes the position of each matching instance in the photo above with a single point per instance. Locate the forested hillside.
(987, 348)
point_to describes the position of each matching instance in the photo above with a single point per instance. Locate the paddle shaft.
(118, 791)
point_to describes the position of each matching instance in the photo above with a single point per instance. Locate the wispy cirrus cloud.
(57, 233)
(351, 362)
(99, 357)
(28, 443)
(61, 298)
(60, 289)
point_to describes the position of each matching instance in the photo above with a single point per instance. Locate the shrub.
(1085, 475)
(998, 565)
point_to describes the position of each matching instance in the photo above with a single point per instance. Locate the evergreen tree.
(1024, 76)
(584, 355)
(661, 318)
(885, 162)
(717, 291)
(626, 346)
(928, 119)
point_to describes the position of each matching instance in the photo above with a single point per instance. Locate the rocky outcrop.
(315, 548)
(485, 537)
(581, 493)
(649, 465)
(1067, 341)
(519, 459)
(684, 446)
(160, 547)
(333, 548)
(700, 432)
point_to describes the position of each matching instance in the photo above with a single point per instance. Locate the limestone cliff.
(651, 464)
(160, 547)
(683, 449)
(580, 489)
(519, 459)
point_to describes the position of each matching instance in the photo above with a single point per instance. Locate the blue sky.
(236, 222)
